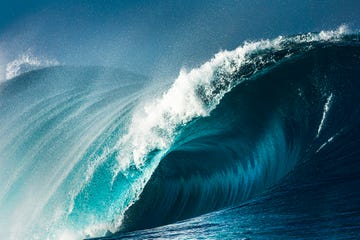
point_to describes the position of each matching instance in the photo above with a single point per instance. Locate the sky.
(156, 37)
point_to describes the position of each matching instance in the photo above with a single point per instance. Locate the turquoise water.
(262, 140)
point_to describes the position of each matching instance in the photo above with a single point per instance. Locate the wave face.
(84, 153)
(262, 129)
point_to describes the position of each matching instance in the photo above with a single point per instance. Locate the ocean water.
(261, 142)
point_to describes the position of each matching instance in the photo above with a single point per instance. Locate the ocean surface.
(261, 142)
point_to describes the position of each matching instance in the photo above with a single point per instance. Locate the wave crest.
(27, 62)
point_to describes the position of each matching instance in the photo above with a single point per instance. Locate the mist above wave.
(26, 62)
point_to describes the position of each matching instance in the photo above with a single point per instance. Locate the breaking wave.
(84, 153)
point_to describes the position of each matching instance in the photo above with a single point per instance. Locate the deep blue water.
(261, 142)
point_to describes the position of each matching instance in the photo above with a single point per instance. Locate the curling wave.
(85, 153)
(268, 124)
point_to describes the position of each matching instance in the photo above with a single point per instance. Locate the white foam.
(27, 62)
(325, 112)
(328, 35)
(325, 143)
